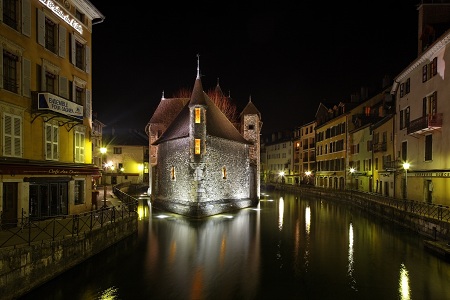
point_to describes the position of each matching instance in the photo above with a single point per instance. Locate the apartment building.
(46, 107)
(331, 145)
(360, 124)
(423, 128)
(125, 157)
(384, 166)
(308, 152)
(279, 155)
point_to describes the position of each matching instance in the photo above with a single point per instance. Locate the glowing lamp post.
(307, 173)
(282, 176)
(103, 151)
(406, 166)
(352, 171)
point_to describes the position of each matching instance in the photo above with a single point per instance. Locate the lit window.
(197, 115)
(197, 146)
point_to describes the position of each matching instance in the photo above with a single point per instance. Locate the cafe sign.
(429, 174)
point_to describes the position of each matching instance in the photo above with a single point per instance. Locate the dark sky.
(286, 56)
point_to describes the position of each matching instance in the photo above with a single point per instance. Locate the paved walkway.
(111, 199)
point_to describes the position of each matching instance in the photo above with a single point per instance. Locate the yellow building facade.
(46, 166)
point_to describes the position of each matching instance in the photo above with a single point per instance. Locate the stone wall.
(394, 210)
(25, 267)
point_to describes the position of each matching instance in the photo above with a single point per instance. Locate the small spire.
(217, 81)
(198, 66)
(250, 98)
(229, 94)
(162, 97)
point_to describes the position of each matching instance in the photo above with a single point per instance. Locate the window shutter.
(7, 135)
(87, 105)
(62, 41)
(41, 27)
(73, 49)
(26, 77)
(55, 154)
(87, 62)
(17, 137)
(63, 87)
(12, 135)
(1, 64)
(26, 17)
(48, 141)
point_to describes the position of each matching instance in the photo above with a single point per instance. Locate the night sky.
(288, 58)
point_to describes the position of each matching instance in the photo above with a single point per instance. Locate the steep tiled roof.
(167, 110)
(250, 109)
(217, 124)
(125, 137)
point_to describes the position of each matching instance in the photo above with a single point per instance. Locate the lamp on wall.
(406, 166)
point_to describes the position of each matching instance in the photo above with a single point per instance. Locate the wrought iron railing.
(29, 230)
(425, 123)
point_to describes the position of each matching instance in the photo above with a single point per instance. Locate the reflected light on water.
(350, 268)
(162, 216)
(109, 294)
(280, 213)
(403, 284)
(308, 219)
(308, 231)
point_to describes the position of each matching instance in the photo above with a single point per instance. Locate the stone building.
(202, 164)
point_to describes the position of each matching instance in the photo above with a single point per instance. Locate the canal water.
(287, 247)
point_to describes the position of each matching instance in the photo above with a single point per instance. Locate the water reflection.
(403, 286)
(285, 248)
(350, 258)
(199, 255)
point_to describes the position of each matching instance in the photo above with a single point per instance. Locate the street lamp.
(352, 171)
(406, 166)
(308, 173)
(103, 151)
(282, 176)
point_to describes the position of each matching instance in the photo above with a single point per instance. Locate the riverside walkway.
(26, 231)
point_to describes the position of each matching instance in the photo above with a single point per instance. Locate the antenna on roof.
(198, 66)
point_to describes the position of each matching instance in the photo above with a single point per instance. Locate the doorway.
(10, 199)
(48, 199)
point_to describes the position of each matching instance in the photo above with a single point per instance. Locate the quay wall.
(403, 212)
(25, 267)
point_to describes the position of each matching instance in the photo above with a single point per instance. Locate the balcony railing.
(425, 124)
(380, 147)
